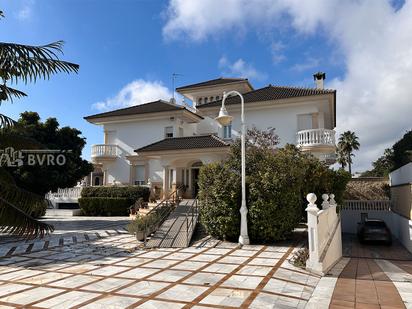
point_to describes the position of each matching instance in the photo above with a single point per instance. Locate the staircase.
(177, 230)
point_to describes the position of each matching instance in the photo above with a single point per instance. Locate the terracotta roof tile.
(212, 82)
(271, 93)
(187, 142)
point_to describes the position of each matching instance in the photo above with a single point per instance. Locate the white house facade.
(165, 144)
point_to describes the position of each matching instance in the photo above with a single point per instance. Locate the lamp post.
(225, 119)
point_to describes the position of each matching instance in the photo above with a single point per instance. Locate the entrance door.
(195, 179)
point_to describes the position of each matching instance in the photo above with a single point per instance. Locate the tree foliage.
(392, 158)
(51, 136)
(277, 182)
(348, 142)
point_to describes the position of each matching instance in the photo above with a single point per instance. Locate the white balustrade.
(315, 137)
(324, 234)
(365, 205)
(104, 150)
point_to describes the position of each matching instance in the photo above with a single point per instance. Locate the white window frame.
(167, 132)
(140, 182)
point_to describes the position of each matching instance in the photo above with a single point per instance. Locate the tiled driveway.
(111, 273)
(370, 276)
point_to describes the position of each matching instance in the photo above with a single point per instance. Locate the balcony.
(316, 140)
(104, 152)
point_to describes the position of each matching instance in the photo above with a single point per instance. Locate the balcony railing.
(316, 137)
(105, 150)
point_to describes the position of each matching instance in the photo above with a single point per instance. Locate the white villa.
(166, 143)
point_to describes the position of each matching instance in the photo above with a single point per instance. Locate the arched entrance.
(195, 168)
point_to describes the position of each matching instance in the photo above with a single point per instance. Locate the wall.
(350, 219)
(283, 118)
(401, 194)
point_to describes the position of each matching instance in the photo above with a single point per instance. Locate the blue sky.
(118, 42)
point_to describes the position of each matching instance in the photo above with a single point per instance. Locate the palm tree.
(348, 142)
(23, 63)
(341, 157)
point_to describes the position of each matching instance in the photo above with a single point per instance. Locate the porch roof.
(187, 142)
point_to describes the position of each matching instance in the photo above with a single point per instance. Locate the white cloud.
(310, 63)
(240, 68)
(373, 38)
(26, 11)
(276, 49)
(135, 93)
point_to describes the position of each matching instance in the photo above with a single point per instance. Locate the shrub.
(277, 183)
(105, 206)
(150, 221)
(130, 192)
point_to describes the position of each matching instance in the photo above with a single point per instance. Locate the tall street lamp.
(225, 119)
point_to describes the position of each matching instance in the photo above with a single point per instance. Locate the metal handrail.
(163, 215)
(194, 211)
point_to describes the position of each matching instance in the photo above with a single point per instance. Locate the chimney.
(319, 78)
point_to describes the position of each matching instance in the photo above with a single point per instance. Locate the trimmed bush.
(130, 192)
(105, 206)
(277, 182)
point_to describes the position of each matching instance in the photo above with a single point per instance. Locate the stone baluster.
(325, 203)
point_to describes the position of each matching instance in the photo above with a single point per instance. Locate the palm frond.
(30, 63)
(16, 205)
(6, 122)
(7, 93)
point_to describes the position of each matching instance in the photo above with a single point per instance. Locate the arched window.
(205, 100)
(97, 181)
(199, 101)
(211, 99)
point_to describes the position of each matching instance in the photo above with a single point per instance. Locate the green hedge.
(130, 192)
(105, 206)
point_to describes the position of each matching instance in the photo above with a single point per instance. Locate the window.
(180, 131)
(168, 132)
(227, 131)
(199, 101)
(205, 100)
(217, 97)
(307, 121)
(140, 175)
(211, 99)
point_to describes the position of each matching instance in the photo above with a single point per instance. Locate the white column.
(165, 181)
(312, 211)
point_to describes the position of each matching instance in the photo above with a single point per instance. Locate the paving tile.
(161, 263)
(133, 262)
(20, 274)
(220, 268)
(112, 302)
(182, 292)
(67, 300)
(263, 262)
(189, 265)
(179, 256)
(206, 279)
(170, 275)
(265, 300)
(143, 288)
(156, 304)
(12, 288)
(44, 278)
(254, 270)
(107, 270)
(244, 282)
(233, 259)
(107, 285)
(242, 252)
(154, 254)
(226, 297)
(75, 281)
(27, 297)
(138, 273)
(205, 258)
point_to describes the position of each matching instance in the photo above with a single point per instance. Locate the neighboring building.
(167, 143)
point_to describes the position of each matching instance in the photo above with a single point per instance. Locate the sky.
(128, 50)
